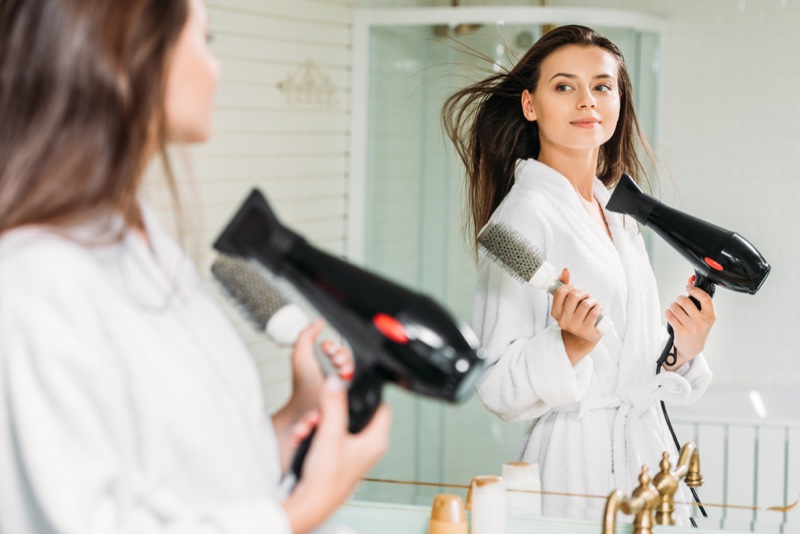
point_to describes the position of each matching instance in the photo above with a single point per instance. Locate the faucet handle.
(690, 457)
(666, 482)
(641, 504)
(666, 485)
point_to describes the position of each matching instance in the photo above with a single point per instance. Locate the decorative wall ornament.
(309, 84)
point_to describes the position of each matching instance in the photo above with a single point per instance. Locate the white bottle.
(487, 500)
(523, 486)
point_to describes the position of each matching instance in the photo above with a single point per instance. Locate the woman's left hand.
(296, 418)
(691, 325)
(307, 374)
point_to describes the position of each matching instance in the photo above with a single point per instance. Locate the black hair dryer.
(719, 256)
(396, 335)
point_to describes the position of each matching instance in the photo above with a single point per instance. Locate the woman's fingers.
(306, 338)
(706, 303)
(303, 428)
(680, 308)
(574, 300)
(575, 310)
(361, 450)
(341, 358)
(572, 306)
(691, 324)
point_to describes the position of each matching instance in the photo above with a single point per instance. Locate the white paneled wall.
(292, 144)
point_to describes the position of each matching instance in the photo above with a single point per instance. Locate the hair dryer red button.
(390, 327)
(714, 265)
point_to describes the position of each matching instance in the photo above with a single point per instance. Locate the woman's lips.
(585, 123)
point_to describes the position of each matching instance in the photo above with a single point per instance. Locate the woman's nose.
(586, 100)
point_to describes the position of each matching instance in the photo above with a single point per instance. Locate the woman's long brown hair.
(490, 133)
(82, 90)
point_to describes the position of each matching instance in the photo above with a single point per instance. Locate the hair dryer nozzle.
(256, 232)
(629, 199)
(722, 256)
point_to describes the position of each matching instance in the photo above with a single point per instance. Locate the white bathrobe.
(128, 403)
(596, 424)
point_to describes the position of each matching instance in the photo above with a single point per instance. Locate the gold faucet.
(666, 482)
(642, 502)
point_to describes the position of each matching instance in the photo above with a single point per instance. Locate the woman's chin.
(190, 136)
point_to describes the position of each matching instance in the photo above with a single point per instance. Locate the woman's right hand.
(337, 459)
(576, 313)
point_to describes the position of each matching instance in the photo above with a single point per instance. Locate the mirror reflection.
(414, 210)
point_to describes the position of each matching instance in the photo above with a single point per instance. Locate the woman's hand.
(691, 325)
(307, 382)
(577, 314)
(307, 375)
(337, 459)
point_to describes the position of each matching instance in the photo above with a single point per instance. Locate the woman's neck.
(579, 167)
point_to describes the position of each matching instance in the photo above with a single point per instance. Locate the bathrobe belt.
(631, 402)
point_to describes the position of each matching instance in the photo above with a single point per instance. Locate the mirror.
(407, 213)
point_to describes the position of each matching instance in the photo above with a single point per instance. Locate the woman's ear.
(527, 106)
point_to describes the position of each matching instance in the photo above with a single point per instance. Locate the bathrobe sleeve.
(70, 431)
(528, 370)
(697, 373)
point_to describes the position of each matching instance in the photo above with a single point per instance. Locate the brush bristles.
(248, 288)
(511, 250)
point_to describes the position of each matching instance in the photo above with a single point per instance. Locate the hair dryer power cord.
(670, 356)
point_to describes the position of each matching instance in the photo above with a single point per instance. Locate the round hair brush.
(247, 285)
(524, 261)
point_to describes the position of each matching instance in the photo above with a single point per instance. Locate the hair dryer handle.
(363, 400)
(701, 281)
(705, 284)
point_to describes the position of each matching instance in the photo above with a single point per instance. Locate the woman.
(127, 401)
(542, 144)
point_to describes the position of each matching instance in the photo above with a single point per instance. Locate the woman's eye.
(603, 88)
(563, 88)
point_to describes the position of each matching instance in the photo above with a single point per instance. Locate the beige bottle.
(447, 515)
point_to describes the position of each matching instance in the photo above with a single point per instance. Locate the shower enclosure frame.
(365, 19)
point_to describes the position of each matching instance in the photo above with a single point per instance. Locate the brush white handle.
(285, 326)
(544, 278)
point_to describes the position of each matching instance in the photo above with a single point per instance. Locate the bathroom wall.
(291, 141)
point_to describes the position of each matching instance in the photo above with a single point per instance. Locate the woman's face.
(576, 102)
(191, 80)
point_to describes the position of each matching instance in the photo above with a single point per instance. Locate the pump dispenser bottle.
(486, 499)
(447, 515)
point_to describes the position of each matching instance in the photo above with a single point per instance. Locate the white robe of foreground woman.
(594, 425)
(128, 403)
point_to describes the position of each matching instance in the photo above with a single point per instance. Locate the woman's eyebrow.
(572, 76)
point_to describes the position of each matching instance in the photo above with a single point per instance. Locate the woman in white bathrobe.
(127, 401)
(542, 144)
